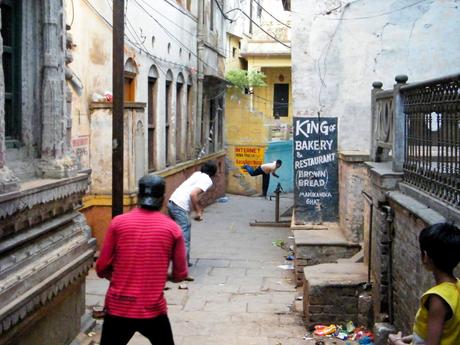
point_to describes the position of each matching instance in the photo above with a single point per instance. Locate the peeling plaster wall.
(92, 32)
(337, 54)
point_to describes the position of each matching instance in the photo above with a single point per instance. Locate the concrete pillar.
(56, 161)
(399, 138)
(376, 87)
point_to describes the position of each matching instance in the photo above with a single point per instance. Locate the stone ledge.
(422, 211)
(353, 156)
(336, 274)
(44, 185)
(330, 237)
(449, 212)
(109, 105)
(45, 291)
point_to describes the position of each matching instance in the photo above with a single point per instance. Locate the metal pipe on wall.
(389, 219)
(118, 102)
(368, 198)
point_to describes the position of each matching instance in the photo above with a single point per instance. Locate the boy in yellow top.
(438, 319)
(265, 170)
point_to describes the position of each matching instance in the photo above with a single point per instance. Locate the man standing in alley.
(135, 258)
(186, 198)
(265, 170)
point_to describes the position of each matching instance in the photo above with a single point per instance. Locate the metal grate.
(432, 131)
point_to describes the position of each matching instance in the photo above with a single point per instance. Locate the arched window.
(11, 17)
(179, 113)
(130, 80)
(152, 115)
(189, 130)
(168, 104)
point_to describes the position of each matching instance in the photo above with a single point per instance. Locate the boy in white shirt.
(185, 199)
(265, 170)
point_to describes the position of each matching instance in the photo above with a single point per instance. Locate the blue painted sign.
(316, 189)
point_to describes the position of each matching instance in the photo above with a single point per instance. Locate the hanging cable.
(222, 11)
(175, 38)
(271, 15)
(377, 15)
(266, 32)
(170, 20)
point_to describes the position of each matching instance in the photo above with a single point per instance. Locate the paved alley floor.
(240, 295)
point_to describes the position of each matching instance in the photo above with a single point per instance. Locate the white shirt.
(269, 167)
(181, 196)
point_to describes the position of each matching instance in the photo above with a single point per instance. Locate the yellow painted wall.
(249, 118)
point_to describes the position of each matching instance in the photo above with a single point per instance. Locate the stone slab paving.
(239, 296)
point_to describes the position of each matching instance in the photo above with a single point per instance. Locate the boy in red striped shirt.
(135, 257)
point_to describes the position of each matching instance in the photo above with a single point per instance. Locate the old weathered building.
(45, 244)
(407, 130)
(173, 100)
(259, 119)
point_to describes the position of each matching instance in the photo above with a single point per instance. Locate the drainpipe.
(390, 223)
(368, 198)
(200, 74)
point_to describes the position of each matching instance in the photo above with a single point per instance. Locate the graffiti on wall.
(80, 146)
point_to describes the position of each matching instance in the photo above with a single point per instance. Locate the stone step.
(320, 246)
(332, 293)
(358, 257)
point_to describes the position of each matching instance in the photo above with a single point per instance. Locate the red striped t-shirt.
(135, 257)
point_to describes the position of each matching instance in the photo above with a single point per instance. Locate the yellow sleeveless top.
(450, 293)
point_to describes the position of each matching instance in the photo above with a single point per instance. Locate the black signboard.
(316, 190)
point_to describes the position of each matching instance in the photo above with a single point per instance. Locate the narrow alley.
(240, 295)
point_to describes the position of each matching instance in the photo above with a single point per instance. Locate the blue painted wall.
(281, 150)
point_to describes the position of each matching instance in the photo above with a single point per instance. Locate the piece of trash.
(290, 257)
(108, 96)
(91, 334)
(291, 237)
(97, 97)
(308, 336)
(98, 312)
(365, 341)
(183, 287)
(323, 330)
(350, 327)
(223, 199)
(342, 336)
(279, 243)
(286, 267)
(299, 298)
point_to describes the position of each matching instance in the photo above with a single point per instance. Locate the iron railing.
(417, 126)
(432, 133)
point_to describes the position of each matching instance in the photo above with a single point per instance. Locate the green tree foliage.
(243, 79)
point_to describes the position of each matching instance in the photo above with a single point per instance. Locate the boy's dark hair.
(441, 242)
(209, 168)
(279, 162)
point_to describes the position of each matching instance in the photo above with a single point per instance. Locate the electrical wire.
(266, 32)
(175, 38)
(170, 20)
(141, 46)
(271, 15)
(380, 14)
(179, 8)
(222, 11)
(73, 14)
